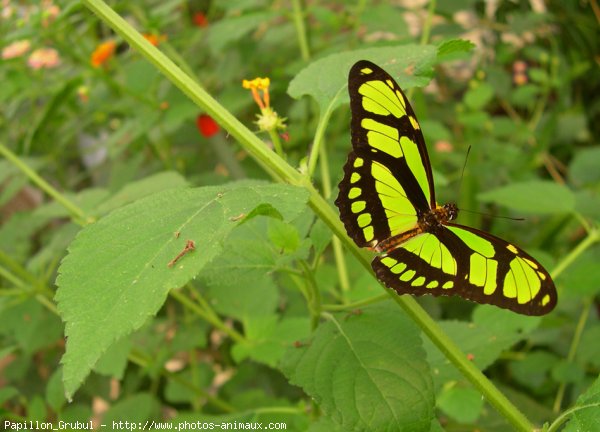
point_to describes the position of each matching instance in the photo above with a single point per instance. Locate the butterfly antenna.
(491, 215)
(462, 173)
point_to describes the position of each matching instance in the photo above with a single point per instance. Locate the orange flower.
(200, 20)
(155, 39)
(43, 58)
(103, 53)
(206, 125)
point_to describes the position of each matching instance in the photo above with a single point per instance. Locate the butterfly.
(387, 203)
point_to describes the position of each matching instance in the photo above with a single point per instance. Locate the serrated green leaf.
(462, 404)
(283, 236)
(533, 197)
(116, 273)
(491, 331)
(326, 79)
(267, 338)
(453, 48)
(114, 361)
(249, 258)
(141, 188)
(363, 376)
(585, 415)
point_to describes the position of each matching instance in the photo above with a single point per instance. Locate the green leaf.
(589, 348)
(326, 79)
(586, 412)
(267, 338)
(453, 49)
(587, 202)
(116, 273)
(30, 325)
(114, 361)
(462, 404)
(583, 275)
(231, 29)
(283, 236)
(491, 331)
(141, 188)
(182, 387)
(533, 371)
(55, 395)
(567, 372)
(583, 169)
(533, 197)
(385, 18)
(479, 96)
(363, 376)
(136, 409)
(249, 258)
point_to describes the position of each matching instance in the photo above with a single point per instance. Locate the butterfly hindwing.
(459, 260)
(387, 178)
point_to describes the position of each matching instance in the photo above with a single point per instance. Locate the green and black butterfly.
(387, 203)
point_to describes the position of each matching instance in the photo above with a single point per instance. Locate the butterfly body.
(387, 203)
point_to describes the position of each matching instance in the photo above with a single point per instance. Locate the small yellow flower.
(268, 120)
(254, 86)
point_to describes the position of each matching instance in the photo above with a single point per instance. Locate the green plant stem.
(338, 252)
(277, 167)
(561, 419)
(143, 362)
(428, 20)
(356, 305)
(77, 214)
(301, 30)
(592, 237)
(207, 315)
(583, 317)
(276, 143)
(315, 151)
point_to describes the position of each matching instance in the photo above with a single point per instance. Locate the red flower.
(206, 125)
(200, 20)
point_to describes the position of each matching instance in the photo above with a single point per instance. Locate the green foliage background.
(274, 317)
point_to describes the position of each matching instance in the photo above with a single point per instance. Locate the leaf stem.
(428, 20)
(301, 30)
(77, 213)
(583, 317)
(592, 237)
(356, 305)
(204, 311)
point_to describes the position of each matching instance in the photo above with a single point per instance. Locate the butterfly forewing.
(387, 178)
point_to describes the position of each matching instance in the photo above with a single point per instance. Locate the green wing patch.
(387, 203)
